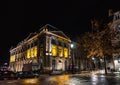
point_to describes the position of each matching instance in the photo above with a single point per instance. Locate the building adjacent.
(114, 24)
(45, 50)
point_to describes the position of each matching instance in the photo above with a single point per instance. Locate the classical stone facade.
(114, 25)
(45, 50)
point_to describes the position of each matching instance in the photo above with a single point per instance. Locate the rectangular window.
(12, 58)
(54, 50)
(35, 51)
(32, 52)
(66, 52)
(28, 53)
(60, 51)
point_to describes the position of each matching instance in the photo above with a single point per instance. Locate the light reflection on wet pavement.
(66, 80)
(82, 80)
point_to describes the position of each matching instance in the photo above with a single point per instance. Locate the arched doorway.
(60, 65)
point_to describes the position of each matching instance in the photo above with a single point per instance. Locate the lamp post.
(72, 56)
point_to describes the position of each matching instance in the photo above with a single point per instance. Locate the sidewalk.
(99, 72)
(88, 73)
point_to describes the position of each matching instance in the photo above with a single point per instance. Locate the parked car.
(8, 75)
(26, 74)
(1, 75)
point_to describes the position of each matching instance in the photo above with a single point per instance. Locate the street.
(73, 79)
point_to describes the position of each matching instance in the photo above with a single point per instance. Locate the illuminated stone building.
(114, 24)
(46, 50)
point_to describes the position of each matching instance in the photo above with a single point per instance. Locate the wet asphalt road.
(66, 80)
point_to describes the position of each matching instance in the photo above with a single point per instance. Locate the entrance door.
(60, 65)
(53, 64)
(65, 65)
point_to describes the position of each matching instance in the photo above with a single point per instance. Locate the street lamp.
(93, 58)
(72, 56)
(72, 45)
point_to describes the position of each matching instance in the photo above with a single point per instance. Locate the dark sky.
(21, 17)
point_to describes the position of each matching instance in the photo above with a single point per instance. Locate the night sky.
(19, 18)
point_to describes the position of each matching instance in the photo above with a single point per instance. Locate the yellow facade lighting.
(60, 51)
(28, 53)
(32, 52)
(66, 52)
(54, 50)
(35, 51)
(12, 58)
